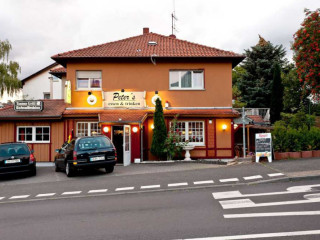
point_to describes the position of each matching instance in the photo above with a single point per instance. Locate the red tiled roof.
(256, 118)
(138, 47)
(135, 115)
(51, 109)
(58, 70)
(124, 116)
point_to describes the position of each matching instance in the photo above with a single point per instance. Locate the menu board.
(263, 146)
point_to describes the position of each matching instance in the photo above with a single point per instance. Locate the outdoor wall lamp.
(106, 129)
(89, 93)
(122, 90)
(224, 127)
(156, 92)
(134, 129)
(152, 126)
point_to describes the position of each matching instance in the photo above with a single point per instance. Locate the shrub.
(279, 137)
(173, 145)
(294, 140)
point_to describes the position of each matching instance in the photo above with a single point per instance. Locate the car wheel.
(33, 171)
(69, 170)
(56, 168)
(109, 169)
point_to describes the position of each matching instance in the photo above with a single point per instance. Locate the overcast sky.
(38, 29)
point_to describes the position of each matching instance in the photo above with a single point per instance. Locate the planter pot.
(316, 153)
(281, 155)
(306, 154)
(294, 155)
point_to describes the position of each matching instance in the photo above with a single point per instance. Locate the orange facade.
(147, 77)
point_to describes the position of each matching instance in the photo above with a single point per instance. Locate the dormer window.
(88, 80)
(186, 80)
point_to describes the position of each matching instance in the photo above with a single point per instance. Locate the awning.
(123, 116)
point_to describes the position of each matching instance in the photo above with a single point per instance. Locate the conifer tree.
(276, 105)
(255, 83)
(159, 131)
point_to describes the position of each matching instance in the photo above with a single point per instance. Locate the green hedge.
(296, 132)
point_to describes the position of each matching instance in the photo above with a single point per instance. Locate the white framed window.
(192, 131)
(186, 80)
(33, 134)
(87, 129)
(89, 80)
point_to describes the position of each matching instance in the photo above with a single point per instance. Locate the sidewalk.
(293, 169)
(296, 169)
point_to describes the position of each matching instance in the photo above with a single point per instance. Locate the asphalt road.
(171, 214)
(181, 202)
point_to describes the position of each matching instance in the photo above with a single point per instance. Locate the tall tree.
(276, 105)
(255, 83)
(9, 70)
(306, 48)
(292, 90)
(159, 131)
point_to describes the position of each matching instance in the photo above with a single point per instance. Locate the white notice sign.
(124, 99)
(263, 146)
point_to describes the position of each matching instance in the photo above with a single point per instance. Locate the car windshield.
(93, 143)
(8, 150)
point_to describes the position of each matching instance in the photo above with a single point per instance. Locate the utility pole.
(244, 132)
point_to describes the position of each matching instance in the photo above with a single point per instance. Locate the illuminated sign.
(125, 99)
(28, 105)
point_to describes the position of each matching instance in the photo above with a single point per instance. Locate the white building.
(44, 85)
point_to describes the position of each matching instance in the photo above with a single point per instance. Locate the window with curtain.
(192, 131)
(186, 79)
(34, 134)
(87, 129)
(89, 80)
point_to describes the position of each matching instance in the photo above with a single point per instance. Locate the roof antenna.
(174, 19)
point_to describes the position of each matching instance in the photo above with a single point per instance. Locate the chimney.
(145, 31)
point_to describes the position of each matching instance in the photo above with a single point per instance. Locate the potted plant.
(280, 141)
(294, 138)
(174, 143)
(315, 135)
(306, 143)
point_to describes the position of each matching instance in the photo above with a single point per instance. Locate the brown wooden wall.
(43, 152)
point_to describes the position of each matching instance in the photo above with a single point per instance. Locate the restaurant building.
(111, 89)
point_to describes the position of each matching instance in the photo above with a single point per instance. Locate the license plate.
(97, 158)
(12, 161)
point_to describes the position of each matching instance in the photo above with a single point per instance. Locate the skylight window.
(152, 43)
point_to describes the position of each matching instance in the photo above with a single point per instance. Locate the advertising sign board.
(124, 99)
(263, 146)
(28, 105)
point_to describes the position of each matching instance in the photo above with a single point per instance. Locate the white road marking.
(149, 186)
(246, 203)
(272, 214)
(177, 184)
(71, 193)
(1, 198)
(290, 190)
(45, 195)
(275, 174)
(312, 196)
(19, 197)
(124, 188)
(253, 177)
(261, 235)
(203, 182)
(229, 180)
(98, 191)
